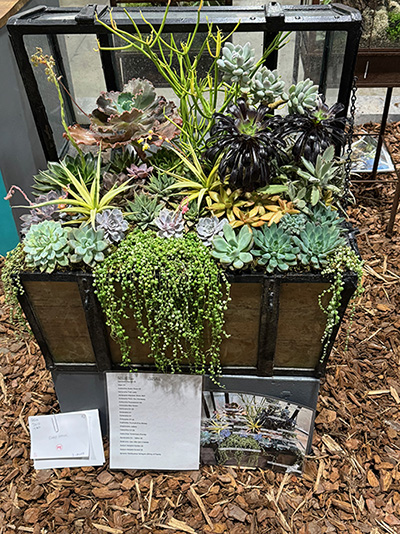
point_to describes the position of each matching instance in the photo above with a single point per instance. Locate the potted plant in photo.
(202, 236)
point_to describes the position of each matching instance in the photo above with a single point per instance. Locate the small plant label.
(64, 435)
(154, 420)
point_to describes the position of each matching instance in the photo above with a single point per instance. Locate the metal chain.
(350, 133)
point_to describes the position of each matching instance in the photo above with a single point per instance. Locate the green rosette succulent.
(46, 246)
(87, 245)
(143, 210)
(266, 86)
(233, 250)
(293, 224)
(274, 249)
(316, 243)
(326, 216)
(236, 63)
(301, 97)
(136, 114)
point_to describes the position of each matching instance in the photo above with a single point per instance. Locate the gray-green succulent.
(46, 246)
(236, 64)
(87, 245)
(233, 250)
(159, 186)
(293, 223)
(301, 96)
(143, 210)
(209, 227)
(113, 224)
(316, 243)
(170, 223)
(326, 216)
(266, 86)
(324, 180)
(274, 248)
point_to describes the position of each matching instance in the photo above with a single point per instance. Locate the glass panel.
(58, 308)
(301, 325)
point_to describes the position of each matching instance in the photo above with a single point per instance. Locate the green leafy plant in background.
(11, 269)
(46, 246)
(274, 249)
(393, 29)
(175, 291)
(233, 250)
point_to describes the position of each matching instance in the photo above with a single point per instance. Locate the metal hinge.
(273, 10)
(87, 14)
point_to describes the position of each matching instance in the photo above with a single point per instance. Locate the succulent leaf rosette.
(46, 246)
(136, 114)
(245, 139)
(233, 250)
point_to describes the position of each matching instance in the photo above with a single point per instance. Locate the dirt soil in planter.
(351, 483)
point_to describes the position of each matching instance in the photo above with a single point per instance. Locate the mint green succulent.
(301, 97)
(316, 243)
(87, 245)
(143, 210)
(233, 250)
(293, 223)
(46, 246)
(274, 248)
(236, 64)
(266, 86)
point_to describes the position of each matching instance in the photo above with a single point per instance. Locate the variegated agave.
(135, 115)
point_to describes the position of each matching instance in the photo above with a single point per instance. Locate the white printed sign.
(154, 420)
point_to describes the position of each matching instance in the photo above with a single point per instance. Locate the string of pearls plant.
(176, 293)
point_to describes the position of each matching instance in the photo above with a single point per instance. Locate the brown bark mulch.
(351, 483)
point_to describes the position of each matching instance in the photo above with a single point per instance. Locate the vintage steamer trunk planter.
(274, 321)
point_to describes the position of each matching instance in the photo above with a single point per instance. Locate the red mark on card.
(59, 447)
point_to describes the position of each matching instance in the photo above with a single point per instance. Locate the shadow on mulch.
(350, 484)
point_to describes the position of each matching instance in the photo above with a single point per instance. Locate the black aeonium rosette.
(315, 131)
(246, 140)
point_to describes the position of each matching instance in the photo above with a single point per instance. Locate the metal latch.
(273, 10)
(87, 14)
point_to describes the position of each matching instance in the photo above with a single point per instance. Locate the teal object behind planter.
(9, 236)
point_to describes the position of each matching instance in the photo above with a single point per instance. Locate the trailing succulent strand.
(46, 246)
(175, 292)
(274, 249)
(87, 245)
(233, 250)
(13, 266)
(342, 260)
(316, 243)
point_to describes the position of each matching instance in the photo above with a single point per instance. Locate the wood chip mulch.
(351, 483)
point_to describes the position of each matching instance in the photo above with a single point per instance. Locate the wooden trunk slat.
(301, 325)
(58, 308)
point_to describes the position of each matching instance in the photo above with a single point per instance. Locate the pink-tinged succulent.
(139, 172)
(135, 115)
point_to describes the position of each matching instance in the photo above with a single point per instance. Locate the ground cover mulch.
(351, 483)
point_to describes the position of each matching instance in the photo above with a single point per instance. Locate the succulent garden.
(162, 201)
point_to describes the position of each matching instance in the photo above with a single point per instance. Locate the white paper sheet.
(154, 420)
(63, 435)
(96, 449)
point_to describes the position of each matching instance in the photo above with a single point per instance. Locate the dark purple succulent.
(245, 139)
(315, 131)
